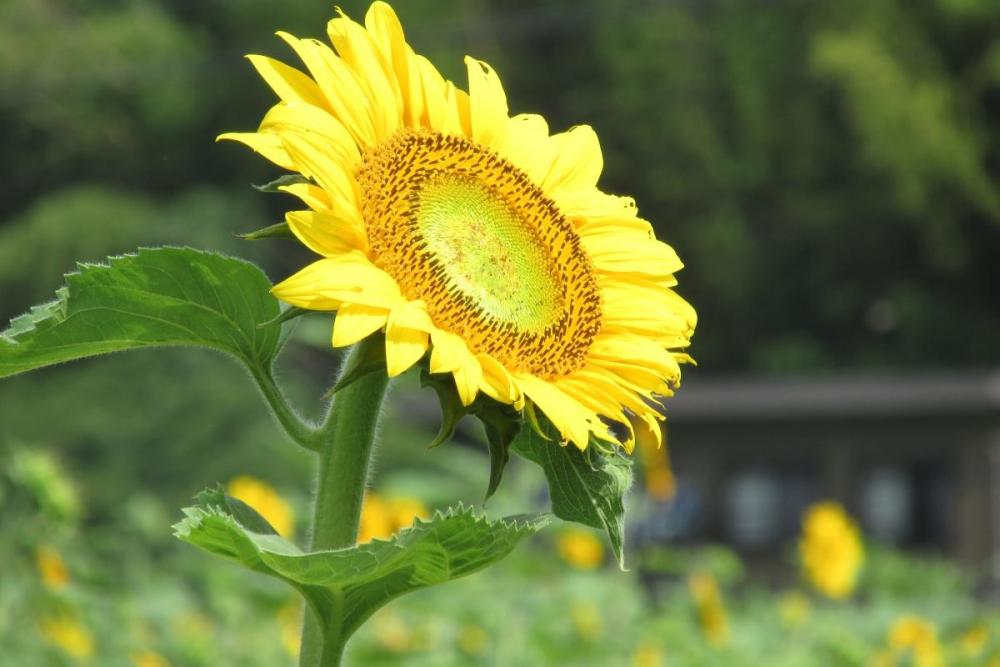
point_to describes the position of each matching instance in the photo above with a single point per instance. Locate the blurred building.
(916, 458)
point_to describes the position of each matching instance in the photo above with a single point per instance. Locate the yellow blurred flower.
(70, 635)
(831, 549)
(148, 659)
(261, 496)
(917, 637)
(587, 620)
(51, 568)
(381, 518)
(473, 640)
(392, 632)
(580, 548)
(711, 608)
(192, 624)
(658, 474)
(882, 658)
(648, 655)
(974, 640)
(794, 608)
(290, 627)
(404, 511)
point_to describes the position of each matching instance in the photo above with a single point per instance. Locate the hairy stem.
(345, 446)
(292, 423)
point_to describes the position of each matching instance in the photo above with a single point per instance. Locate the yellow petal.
(628, 253)
(288, 83)
(450, 351)
(578, 162)
(497, 382)
(373, 72)
(349, 278)
(355, 321)
(268, 145)
(528, 146)
(652, 432)
(591, 397)
(347, 100)
(487, 104)
(592, 203)
(573, 421)
(463, 106)
(648, 311)
(440, 109)
(325, 234)
(312, 196)
(311, 160)
(327, 132)
(406, 338)
(607, 383)
(468, 377)
(387, 32)
(636, 351)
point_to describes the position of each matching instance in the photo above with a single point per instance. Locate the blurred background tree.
(828, 172)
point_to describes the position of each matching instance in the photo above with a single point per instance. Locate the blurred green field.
(123, 592)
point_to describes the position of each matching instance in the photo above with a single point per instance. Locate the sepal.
(586, 487)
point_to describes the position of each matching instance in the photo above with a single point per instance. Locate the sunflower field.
(123, 593)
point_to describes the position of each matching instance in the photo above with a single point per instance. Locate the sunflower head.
(470, 234)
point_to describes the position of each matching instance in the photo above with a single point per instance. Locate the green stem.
(292, 423)
(345, 450)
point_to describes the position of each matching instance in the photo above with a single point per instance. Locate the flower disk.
(491, 256)
(472, 234)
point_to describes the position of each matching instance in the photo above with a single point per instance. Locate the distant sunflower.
(458, 228)
(831, 549)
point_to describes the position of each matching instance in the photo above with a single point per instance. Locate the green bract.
(587, 487)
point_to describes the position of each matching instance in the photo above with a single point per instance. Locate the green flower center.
(488, 252)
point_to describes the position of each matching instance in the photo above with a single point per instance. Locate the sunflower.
(831, 549)
(475, 235)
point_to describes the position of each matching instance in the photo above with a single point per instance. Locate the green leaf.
(279, 230)
(346, 586)
(163, 296)
(586, 487)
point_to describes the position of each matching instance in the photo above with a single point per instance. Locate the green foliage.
(38, 473)
(87, 223)
(134, 592)
(121, 73)
(167, 296)
(763, 141)
(346, 586)
(826, 174)
(587, 487)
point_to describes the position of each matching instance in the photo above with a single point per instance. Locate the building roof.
(924, 394)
